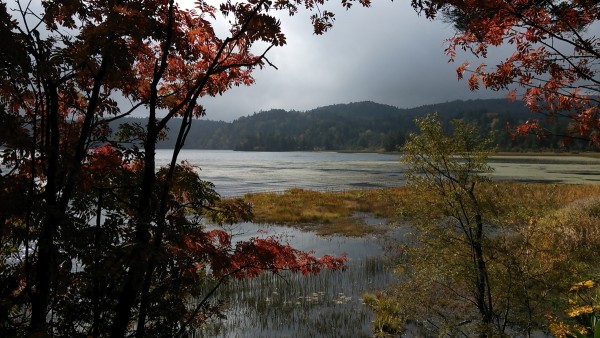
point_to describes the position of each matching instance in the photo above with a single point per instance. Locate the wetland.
(351, 204)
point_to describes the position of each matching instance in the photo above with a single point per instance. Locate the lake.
(330, 304)
(236, 173)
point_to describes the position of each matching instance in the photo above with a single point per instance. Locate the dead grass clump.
(576, 227)
(351, 227)
(327, 213)
(297, 206)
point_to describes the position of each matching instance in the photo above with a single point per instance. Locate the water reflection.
(292, 305)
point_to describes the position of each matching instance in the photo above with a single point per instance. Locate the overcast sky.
(386, 53)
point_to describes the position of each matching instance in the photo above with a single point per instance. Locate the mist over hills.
(358, 126)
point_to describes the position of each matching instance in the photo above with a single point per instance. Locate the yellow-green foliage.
(542, 239)
(388, 319)
(576, 227)
(582, 317)
(546, 238)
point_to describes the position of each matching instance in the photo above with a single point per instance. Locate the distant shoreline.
(500, 153)
(373, 151)
(550, 154)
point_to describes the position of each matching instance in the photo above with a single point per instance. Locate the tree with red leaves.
(95, 238)
(555, 64)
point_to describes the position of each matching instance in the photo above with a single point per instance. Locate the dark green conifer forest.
(366, 126)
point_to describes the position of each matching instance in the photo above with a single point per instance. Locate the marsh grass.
(575, 228)
(328, 213)
(350, 226)
(271, 304)
(292, 305)
(343, 212)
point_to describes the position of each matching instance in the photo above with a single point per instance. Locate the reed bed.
(329, 304)
(329, 213)
(332, 211)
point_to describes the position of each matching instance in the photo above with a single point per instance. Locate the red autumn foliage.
(250, 258)
(555, 60)
(94, 232)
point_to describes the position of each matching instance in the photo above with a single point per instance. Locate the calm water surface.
(287, 305)
(236, 173)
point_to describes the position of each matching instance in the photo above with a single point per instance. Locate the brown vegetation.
(333, 212)
(555, 225)
(328, 213)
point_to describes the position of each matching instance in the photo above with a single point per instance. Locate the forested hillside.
(359, 126)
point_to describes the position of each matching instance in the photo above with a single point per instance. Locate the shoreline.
(591, 154)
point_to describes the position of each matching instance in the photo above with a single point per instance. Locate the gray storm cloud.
(386, 53)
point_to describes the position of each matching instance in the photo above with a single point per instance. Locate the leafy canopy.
(96, 238)
(555, 59)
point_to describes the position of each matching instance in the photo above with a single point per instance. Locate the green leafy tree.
(481, 260)
(448, 169)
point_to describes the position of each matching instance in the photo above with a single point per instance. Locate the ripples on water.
(236, 173)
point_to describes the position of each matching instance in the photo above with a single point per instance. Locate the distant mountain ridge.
(357, 126)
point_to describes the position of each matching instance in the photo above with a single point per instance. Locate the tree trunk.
(45, 257)
(483, 294)
(139, 258)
